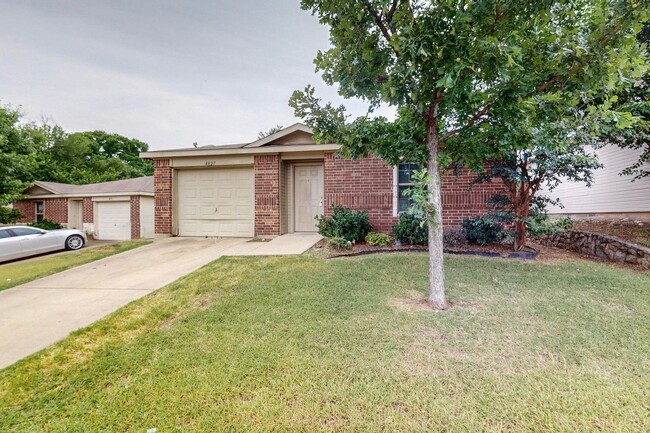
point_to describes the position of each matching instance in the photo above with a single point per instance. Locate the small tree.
(525, 173)
(462, 74)
(262, 134)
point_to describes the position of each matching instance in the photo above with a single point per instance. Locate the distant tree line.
(43, 151)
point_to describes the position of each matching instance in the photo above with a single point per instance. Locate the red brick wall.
(365, 184)
(27, 209)
(135, 217)
(89, 214)
(54, 209)
(267, 195)
(162, 172)
(459, 203)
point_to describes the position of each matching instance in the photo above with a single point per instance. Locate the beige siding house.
(611, 195)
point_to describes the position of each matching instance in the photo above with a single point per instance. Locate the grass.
(20, 272)
(305, 344)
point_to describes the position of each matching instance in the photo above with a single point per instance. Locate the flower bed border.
(514, 255)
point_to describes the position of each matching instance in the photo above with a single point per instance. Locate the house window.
(403, 182)
(39, 211)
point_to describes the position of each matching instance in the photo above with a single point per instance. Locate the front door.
(75, 214)
(308, 191)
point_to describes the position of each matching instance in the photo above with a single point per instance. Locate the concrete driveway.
(37, 314)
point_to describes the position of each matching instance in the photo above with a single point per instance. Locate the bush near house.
(378, 239)
(344, 223)
(454, 237)
(9, 215)
(483, 229)
(339, 243)
(46, 224)
(541, 225)
(411, 229)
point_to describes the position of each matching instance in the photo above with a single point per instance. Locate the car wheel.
(74, 242)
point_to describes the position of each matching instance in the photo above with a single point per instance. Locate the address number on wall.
(210, 163)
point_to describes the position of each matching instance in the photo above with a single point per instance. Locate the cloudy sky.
(167, 72)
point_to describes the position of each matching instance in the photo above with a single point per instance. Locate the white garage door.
(216, 202)
(114, 220)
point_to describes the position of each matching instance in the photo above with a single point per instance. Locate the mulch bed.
(637, 232)
(490, 250)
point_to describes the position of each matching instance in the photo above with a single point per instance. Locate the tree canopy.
(30, 151)
(470, 79)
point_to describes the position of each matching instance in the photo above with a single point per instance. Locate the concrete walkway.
(39, 313)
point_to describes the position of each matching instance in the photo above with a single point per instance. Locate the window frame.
(39, 216)
(397, 185)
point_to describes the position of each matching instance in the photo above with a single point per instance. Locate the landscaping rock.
(599, 245)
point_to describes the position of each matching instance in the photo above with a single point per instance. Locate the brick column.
(135, 217)
(163, 196)
(267, 195)
(89, 215)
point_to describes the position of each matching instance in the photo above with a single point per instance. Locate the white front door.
(75, 214)
(308, 196)
(114, 220)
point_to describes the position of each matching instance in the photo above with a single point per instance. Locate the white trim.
(281, 133)
(395, 191)
(271, 149)
(81, 197)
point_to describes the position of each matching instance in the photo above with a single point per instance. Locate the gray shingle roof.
(138, 184)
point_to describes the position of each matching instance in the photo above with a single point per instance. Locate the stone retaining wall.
(599, 245)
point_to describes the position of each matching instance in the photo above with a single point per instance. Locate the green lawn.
(305, 344)
(16, 273)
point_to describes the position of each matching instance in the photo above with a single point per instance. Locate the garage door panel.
(114, 220)
(216, 202)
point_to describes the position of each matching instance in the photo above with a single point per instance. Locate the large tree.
(461, 74)
(17, 156)
(636, 101)
(31, 151)
(89, 157)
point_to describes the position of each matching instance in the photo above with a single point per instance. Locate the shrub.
(344, 223)
(454, 237)
(379, 239)
(339, 243)
(482, 230)
(542, 225)
(411, 229)
(46, 224)
(9, 215)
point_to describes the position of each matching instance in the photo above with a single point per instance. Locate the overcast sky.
(166, 72)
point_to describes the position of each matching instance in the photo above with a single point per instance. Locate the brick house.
(278, 184)
(118, 210)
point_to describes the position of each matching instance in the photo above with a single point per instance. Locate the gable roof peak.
(296, 127)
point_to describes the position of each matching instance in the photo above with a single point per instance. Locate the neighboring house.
(279, 183)
(611, 195)
(118, 210)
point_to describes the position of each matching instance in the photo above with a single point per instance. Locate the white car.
(23, 241)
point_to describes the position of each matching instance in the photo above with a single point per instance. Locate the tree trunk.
(521, 204)
(436, 298)
(520, 234)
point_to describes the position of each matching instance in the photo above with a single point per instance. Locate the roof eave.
(241, 151)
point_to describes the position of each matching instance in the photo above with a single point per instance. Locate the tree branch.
(380, 22)
(469, 124)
